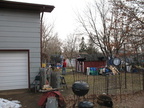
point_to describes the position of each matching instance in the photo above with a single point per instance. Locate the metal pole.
(143, 78)
(125, 66)
(142, 47)
(41, 35)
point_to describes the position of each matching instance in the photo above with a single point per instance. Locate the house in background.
(20, 43)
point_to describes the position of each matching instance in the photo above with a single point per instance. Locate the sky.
(63, 15)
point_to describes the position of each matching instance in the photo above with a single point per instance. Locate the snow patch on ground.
(4, 103)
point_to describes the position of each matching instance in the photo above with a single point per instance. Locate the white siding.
(20, 30)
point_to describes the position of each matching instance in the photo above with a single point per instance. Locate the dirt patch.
(30, 99)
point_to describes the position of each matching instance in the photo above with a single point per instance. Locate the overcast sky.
(63, 15)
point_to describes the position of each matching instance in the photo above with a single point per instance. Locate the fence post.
(143, 78)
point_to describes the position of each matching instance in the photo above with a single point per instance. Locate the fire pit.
(104, 100)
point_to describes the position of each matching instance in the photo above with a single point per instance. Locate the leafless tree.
(104, 26)
(70, 47)
(50, 42)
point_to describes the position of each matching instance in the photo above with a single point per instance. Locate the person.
(64, 67)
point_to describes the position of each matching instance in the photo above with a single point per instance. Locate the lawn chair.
(36, 83)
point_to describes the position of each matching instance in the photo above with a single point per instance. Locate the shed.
(92, 60)
(20, 43)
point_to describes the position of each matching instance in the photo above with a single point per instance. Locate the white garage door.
(13, 70)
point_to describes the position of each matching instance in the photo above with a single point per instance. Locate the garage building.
(20, 43)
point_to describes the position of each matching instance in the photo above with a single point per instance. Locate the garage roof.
(27, 6)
